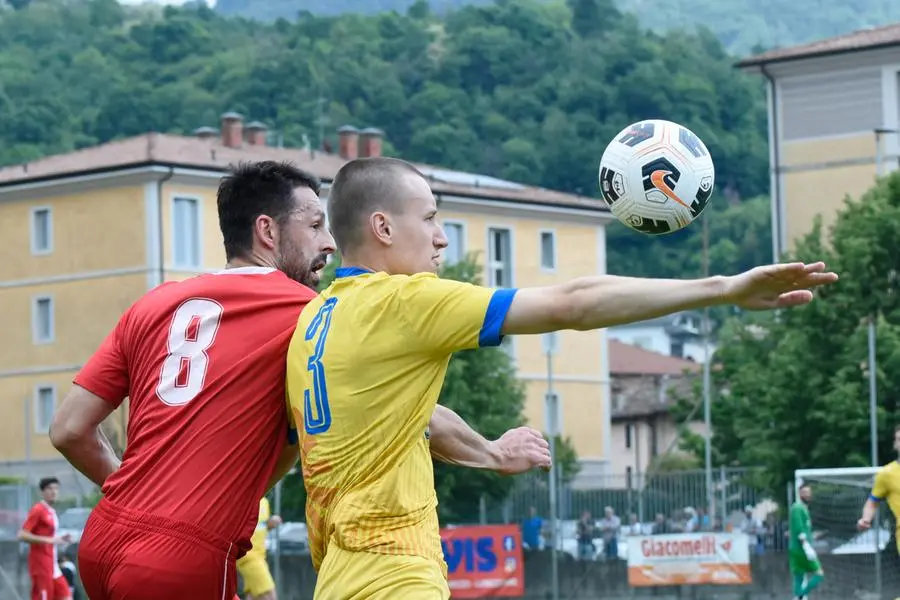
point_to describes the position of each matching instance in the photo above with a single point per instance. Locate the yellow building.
(834, 107)
(89, 232)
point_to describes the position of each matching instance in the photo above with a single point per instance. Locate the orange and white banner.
(689, 559)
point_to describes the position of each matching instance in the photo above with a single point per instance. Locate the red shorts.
(126, 555)
(46, 587)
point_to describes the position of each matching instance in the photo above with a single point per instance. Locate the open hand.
(522, 449)
(777, 286)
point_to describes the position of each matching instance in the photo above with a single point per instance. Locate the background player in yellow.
(369, 355)
(886, 487)
(254, 570)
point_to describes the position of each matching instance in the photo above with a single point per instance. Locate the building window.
(42, 320)
(676, 348)
(455, 250)
(44, 407)
(500, 257)
(41, 231)
(654, 442)
(628, 435)
(186, 232)
(629, 483)
(548, 250)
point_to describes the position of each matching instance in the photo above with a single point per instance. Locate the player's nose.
(328, 245)
(440, 240)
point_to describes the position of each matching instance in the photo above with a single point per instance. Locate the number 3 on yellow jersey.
(318, 420)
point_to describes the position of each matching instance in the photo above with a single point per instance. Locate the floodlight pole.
(707, 388)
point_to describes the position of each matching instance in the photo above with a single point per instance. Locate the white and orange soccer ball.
(656, 176)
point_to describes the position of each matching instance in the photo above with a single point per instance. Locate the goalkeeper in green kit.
(805, 566)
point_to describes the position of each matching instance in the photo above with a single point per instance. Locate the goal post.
(856, 563)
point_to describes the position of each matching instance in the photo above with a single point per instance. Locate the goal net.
(856, 564)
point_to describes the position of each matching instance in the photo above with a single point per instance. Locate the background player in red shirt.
(203, 364)
(39, 531)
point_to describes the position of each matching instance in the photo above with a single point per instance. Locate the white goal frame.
(849, 476)
(833, 474)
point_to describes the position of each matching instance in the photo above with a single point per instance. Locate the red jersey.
(42, 520)
(203, 364)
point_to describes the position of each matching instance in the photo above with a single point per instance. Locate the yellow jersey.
(364, 371)
(887, 487)
(258, 539)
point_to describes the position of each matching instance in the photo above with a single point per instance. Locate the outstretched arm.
(77, 434)
(454, 442)
(597, 302)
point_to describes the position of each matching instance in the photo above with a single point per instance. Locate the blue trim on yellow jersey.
(874, 498)
(494, 316)
(350, 271)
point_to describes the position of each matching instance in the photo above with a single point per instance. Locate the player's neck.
(253, 260)
(371, 264)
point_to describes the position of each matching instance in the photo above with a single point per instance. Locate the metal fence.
(646, 496)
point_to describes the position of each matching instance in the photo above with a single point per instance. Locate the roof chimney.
(370, 140)
(232, 129)
(257, 133)
(206, 133)
(348, 144)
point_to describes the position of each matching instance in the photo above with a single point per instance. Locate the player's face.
(806, 494)
(50, 493)
(897, 441)
(418, 239)
(304, 241)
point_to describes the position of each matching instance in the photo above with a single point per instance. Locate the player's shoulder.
(892, 469)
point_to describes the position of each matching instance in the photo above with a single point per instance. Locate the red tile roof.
(625, 359)
(206, 154)
(864, 39)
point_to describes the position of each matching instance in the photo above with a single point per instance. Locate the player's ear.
(266, 231)
(382, 228)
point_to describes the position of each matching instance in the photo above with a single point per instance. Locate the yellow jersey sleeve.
(265, 513)
(442, 316)
(880, 488)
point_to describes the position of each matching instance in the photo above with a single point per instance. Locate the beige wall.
(819, 175)
(107, 230)
(92, 231)
(578, 364)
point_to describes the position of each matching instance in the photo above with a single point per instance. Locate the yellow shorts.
(348, 575)
(255, 572)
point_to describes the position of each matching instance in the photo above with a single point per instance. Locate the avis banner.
(484, 561)
(689, 559)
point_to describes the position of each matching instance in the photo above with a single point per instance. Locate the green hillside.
(513, 90)
(741, 25)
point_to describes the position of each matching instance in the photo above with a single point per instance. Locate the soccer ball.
(656, 176)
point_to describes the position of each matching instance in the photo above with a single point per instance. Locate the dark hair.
(361, 187)
(47, 481)
(257, 188)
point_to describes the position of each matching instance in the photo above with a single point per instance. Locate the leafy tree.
(791, 390)
(742, 25)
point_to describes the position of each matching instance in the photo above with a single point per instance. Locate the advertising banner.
(484, 561)
(689, 559)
